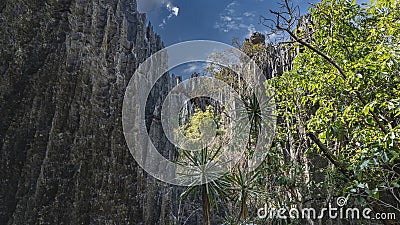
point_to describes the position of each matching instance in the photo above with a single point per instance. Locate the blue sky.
(219, 20)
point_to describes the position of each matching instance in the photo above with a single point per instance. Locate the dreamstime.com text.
(331, 212)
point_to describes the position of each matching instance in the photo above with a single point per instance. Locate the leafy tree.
(202, 162)
(344, 94)
(339, 114)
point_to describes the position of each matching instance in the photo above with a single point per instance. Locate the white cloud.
(272, 37)
(249, 14)
(174, 11)
(192, 68)
(163, 23)
(251, 29)
(228, 20)
(150, 5)
(232, 4)
(198, 67)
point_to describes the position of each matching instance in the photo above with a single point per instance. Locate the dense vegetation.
(338, 113)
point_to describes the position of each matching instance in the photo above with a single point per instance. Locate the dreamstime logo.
(145, 78)
(331, 212)
(341, 201)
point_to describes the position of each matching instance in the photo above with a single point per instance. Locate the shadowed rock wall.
(64, 66)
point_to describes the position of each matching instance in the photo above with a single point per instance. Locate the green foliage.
(199, 120)
(202, 162)
(355, 114)
(200, 166)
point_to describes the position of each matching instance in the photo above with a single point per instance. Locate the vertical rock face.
(64, 66)
(274, 60)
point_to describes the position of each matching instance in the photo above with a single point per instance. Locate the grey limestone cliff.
(64, 66)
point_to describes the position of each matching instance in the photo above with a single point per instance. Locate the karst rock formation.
(64, 67)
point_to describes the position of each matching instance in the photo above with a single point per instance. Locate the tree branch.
(332, 158)
(308, 45)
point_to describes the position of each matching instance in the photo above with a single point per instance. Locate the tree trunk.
(206, 205)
